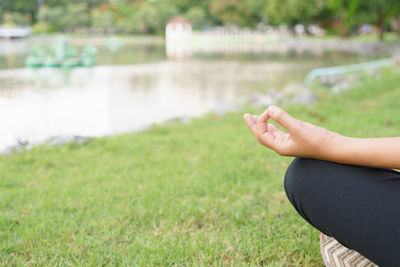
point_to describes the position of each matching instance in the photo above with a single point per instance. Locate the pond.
(137, 86)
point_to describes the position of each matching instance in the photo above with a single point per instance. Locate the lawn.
(203, 193)
(389, 37)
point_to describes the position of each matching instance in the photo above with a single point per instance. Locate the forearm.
(374, 152)
(304, 139)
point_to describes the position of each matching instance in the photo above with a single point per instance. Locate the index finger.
(262, 123)
(251, 122)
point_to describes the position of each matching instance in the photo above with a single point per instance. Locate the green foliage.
(76, 15)
(135, 17)
(291, 12)
(203, 194)
(102, 19)
(149, 17)
(238, 12)
(15, 18)
(197, 16)
(356, 12)
(52, 16)
(39, 28)
(23, 7)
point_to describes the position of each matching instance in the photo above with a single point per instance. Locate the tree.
(240, 12)
(292, 12)
(76, 15)
(52, 15)
(23, 7)
(197, 16)
(384, 11)
(16, 19)
(102, 19)
(151, 18)
(357, 12)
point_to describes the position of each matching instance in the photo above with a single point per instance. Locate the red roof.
(179, 20)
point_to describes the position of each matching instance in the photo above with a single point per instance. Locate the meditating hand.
(302, 139)
(306, 140)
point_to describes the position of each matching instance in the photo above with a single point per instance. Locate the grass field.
(389, 37)
(203, 193)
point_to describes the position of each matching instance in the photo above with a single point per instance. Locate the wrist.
(338, 148)
(334, 146)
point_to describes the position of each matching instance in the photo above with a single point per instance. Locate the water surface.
(136, 87)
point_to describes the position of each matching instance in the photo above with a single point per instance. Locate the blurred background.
(71, 69)
(177, 179)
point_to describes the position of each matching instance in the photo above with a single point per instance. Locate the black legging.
(358, 206)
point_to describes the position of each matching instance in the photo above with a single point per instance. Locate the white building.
(178, 28)
(182, 41)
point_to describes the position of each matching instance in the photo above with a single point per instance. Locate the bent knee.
(299, 169)
(303, 174)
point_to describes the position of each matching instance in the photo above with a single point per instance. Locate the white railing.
(221, 33)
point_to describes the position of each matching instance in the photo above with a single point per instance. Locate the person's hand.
(302, 139)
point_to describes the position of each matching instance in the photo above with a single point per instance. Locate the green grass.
(389, 37)
(199, 194)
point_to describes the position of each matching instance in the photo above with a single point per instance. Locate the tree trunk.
(380, 24)
(395, 25)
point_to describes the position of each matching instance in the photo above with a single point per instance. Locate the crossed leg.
(358, 206)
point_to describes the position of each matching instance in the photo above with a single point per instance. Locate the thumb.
(283, 118)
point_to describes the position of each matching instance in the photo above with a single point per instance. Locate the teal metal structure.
(348, 68)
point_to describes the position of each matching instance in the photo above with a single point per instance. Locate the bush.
(71, 17)
(102, 19)
(197, 16)
(44, 27)
(13, 19)
(52, 16)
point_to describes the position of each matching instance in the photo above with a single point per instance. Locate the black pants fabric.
(358, 206)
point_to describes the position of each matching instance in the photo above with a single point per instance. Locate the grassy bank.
(199, 194)
(389, 38)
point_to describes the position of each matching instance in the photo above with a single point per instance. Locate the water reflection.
(14, 52)
(37, 104)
